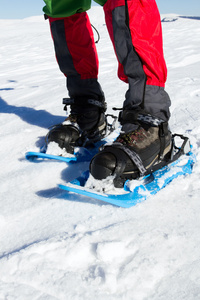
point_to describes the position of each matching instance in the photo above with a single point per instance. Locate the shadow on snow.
(40, 118)
(73, 170)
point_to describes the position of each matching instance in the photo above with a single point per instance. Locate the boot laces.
(133, 137)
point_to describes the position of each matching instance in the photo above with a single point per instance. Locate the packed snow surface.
(58, 246)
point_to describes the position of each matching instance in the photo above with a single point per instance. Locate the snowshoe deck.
(142, 189)
(33, 156)
(82, 154)
(180, 162)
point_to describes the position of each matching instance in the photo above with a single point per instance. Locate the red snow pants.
(135, 30)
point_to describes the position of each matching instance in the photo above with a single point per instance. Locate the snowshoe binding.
(86, 124)
(134, 154)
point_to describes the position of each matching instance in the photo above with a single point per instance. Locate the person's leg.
(135, 30)
(77, 58)
(76, 54)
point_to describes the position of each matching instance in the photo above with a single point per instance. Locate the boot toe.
(103, 165)
(64, 136)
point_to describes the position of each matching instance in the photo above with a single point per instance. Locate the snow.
(58, 246)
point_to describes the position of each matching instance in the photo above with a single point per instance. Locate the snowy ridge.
(53, 249)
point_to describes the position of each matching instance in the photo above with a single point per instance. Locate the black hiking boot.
(133, 154)
(85, 125)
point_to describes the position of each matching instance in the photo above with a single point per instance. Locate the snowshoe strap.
(133, 156)
(122, 160)
(148, 119)
(84, 102)
(138, 116)
(163, 132)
